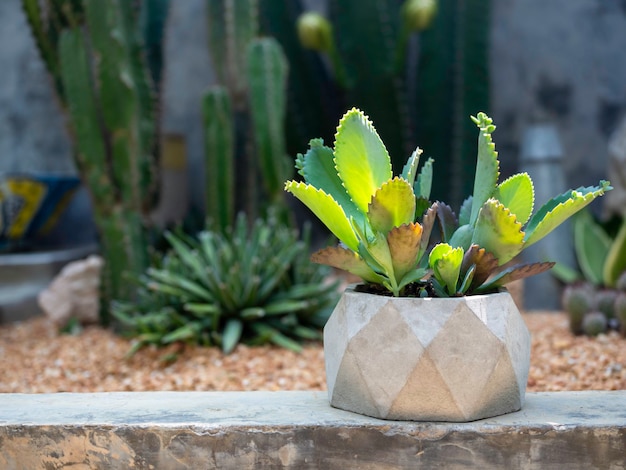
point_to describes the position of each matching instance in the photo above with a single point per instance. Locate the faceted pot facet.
(456, 359)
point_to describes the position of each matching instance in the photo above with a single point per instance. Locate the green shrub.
(253, 285)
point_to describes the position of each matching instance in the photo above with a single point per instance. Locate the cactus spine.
(96, 57)
(244, 116)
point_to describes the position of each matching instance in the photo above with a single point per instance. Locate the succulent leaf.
(317, 167)
(615, 263)
(361, 158)
(518, 194)
(428, 222)
(342, 258)
(409, 172)
(592, 245)
(498, 231)
(424, 182)
(560, 208)
(377, 255)
(445, 262)
(447, 220)
(483, 264)
(392, 205)
(487, 165)
(327, 210)
(514, 273)
(465, 211)
(404, 246)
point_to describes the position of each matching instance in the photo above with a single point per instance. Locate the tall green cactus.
(97, 58)
(413, 89)
(244, 116)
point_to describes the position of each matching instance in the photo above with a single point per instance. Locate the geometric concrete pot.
(433, 359)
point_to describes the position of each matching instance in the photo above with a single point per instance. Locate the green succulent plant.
(385, 234)
(253, 285)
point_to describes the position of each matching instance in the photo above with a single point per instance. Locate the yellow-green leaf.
(361, 158)
(498, 231)
(392, 205)
(445, 262)
(518, 194)
(487, 165)
(558, 209)
(327, 210)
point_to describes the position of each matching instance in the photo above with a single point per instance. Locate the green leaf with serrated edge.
(615, 263)
(483, 262)
(592, 245)
(487, 165)
(558, 209)
(424, 182)
(327, 210)
(498, 231)
(392, 205)
(409, 172)
(318, 170)
(231, 334)
(404, 246)
(465, 211)
(514, 273)
(445, 262)
(518, 194)
(342, 258)
(361, 158)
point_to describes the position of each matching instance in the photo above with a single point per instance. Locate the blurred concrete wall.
(560, 60)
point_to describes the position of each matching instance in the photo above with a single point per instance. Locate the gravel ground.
(36, 359)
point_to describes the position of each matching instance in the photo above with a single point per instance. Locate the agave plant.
(252, 285)
(385, 233)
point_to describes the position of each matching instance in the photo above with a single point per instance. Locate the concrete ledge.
(299, 430)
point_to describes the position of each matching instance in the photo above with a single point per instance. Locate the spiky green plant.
(352, 190)
(254, 285)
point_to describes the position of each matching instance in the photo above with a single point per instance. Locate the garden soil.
(38, 359)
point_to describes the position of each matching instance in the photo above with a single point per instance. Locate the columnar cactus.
(244, 116)
(428, 83)
(95, 52)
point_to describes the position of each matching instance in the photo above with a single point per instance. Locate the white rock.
(74, 293)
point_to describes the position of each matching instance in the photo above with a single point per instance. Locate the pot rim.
(351, 289)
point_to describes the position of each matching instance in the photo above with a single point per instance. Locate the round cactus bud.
(605, 302)
(577, 301)
(594, 323)
(419, 14)
(621, 282)
(315, 32)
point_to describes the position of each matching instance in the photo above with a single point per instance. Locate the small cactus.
(578, 300)
(605, 302)
(594, 323)
(620, 312)
(621, 282)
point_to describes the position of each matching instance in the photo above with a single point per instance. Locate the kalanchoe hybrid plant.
(389, 235)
